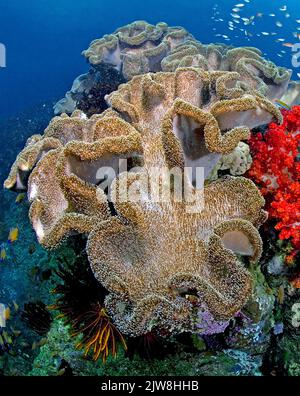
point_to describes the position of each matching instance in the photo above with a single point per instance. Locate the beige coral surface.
(136, 48)
(158, 258)
(255, 71)
(140, 47)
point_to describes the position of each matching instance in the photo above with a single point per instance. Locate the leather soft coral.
(156, 259)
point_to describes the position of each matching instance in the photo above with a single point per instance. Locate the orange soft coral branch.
(101, 336)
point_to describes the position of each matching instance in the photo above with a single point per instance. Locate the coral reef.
(177, 265)
(187, 118)
(88, 91)
(255, 71)
(251, 329)
(181, 363)
(137, 48)
(175, 257)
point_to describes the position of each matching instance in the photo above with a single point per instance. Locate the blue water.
(44, 38)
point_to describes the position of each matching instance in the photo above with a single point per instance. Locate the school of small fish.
(241, 24)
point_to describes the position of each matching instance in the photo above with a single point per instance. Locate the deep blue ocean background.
(44, 38)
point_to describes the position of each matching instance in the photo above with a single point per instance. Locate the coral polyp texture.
(59, 204)
(136, 48)
(167, 110)
(195, 116)
(139, 48)
(291, 96)
(88, 91)
(161, 258)
(159, 261)
(255, 71)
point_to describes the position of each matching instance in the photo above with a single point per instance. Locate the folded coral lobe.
(158, 259)
(160, 262)
(136, 48)
(191, 117)
(59, 206)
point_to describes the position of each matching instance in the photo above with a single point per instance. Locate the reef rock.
(88, 91)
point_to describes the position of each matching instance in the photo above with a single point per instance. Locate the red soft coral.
(276, 170)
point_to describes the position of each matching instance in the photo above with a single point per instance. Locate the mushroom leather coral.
(58, 205)
(140, 47)
(255, 71)
(136, 48)
(153, 254)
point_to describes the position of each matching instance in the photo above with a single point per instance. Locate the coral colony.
(167, 266)
(276, 171)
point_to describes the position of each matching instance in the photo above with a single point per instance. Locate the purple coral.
(207, 324)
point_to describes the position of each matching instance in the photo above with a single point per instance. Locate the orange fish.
(289, 45)
(3, 254)
(13, 234)
(7, 313)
